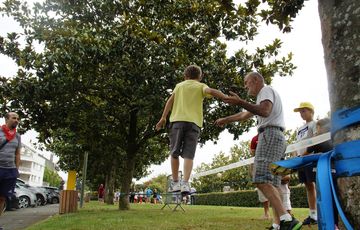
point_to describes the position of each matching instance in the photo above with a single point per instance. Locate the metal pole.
(83, 179)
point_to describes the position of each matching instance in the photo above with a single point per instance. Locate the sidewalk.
(23, 218)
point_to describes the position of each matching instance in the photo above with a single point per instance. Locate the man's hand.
(160, 124)
(234, 99)
(221, 122)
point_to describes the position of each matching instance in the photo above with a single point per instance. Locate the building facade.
(32, 166)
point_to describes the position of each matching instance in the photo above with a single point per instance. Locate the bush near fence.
(248, 198)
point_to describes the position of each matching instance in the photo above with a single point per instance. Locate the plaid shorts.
(183, 139)
(271, 147)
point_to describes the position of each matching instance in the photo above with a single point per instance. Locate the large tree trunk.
(340, 24)
(131, 151)
(110, 183)
(126, 183)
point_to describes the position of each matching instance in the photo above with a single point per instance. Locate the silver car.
(26, 197)
(40, 193)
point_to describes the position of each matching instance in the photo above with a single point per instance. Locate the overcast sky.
(309, 82)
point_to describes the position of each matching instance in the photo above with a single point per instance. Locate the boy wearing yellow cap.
(307, 175)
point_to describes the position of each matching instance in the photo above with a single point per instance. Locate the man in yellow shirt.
(186, 120)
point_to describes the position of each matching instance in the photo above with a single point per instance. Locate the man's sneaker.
(293, 224)
(185, 187)
(271, 228)
(174, 186)
(309, 221)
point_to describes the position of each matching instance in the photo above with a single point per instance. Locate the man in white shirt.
(271, 144)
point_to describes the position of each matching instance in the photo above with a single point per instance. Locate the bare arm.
(263, 109)
(17, 158)
(165, 113)
(232, 118)
(216, 93)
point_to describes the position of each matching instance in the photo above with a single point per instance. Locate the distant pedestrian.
(61, 186)
(10, 146)
(148, 193)
(101, 193)
(141, 196)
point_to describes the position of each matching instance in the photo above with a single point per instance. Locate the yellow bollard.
(69, 197)
(71, 182)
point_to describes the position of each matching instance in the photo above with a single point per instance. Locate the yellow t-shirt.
(188, 102)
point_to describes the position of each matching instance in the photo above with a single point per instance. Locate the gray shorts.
(183, 139)
(271, 147)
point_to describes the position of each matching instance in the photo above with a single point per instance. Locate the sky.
(308, 83)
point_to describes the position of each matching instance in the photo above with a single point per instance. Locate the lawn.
(97, 215)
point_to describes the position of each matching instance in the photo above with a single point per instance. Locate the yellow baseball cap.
(302, 105)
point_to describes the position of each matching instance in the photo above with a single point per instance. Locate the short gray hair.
(256, 75)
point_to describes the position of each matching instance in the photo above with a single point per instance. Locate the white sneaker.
(185, 187)
(174, 186)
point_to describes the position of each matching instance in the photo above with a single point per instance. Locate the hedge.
(247, 198)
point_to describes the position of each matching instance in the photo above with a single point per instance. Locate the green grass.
(149, 216)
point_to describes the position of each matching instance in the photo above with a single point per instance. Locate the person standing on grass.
(148, 192)
(141, 195)
(155, 195)
(186, 120)
(262, 198)
(307, 175)
(285, 193)
(271, 144)
(10, 146)
(323, 126)
(101, 193)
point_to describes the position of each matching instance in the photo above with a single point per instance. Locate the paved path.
(23, 218)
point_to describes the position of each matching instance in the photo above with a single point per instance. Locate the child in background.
(323, 126)
(285, 193)
(261, 196)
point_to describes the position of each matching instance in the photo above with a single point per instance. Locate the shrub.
(247, 198)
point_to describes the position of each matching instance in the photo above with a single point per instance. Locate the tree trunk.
(340, 25)
(126, 183)
(110, 183)
(131, 152)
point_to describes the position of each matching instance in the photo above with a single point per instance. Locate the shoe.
(293, 224)
(309, 221)
(272, 228)
(185, 187)
(174, 186)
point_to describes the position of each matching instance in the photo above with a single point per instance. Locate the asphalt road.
(23, 218)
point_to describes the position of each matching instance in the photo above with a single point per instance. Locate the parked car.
(25, 197)
(40, 193)
(53, 194)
